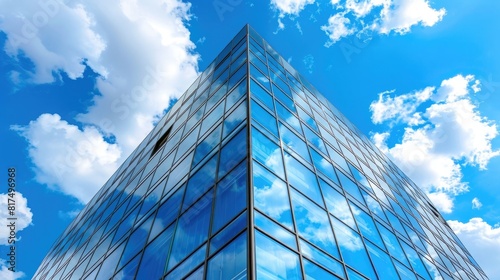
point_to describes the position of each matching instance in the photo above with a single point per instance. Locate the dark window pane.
(155, 256)
(187, 266)
(192, 229)
(233, 152)
(207, 145)
(230, 262)
(235, 118)
(230, 197)
(237, 76)
(235, 227)
(200, 182)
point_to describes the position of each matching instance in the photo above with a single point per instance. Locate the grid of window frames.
(327, 203)
(178, 208)
(295, 191)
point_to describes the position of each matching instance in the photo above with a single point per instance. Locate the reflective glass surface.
(275, 261)
(257, 162)
(271, 196)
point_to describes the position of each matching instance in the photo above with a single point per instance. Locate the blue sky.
(82, 82)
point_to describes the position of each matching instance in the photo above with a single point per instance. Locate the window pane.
(404, 272)
(267, 152)
(234, 119)
(230, 197)
(337, 204)
(392, 244)
(283, 98)
(350, 187)
(415, 261)
(313, 223)
(212, 118)
(261, 95)
(233, 152)
(352, 249)
(207, 145)
(302, 178)
(264, 118)
(230, 262)
(288, 117)
(155, 255)
(366, 225)
(314, 139)
(167, 213)
(382, 262)
(271, 196)
(186, 266)
(323, 166)
(200, 182)
(314, 272)
(275, 230)
(192, 229)
(293, 142)
(235, 227)
(274, 261)
(236, 94)
(314, 254)
(237, 76)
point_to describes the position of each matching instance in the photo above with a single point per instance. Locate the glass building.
(253, 174)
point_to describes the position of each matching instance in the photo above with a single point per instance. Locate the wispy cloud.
(443, 131)
(309, 62)
(350, 17)
(476, 204)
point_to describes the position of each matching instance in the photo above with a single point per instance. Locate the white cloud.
(6, 274)
(483, 242)
(22, 213)
(476, 204)
(140, 70)
(403, 14)
(290, 7)
(379, 16)
(399, 108)
(442, 201)
(337, 28)
(448, 134)
(73, 161)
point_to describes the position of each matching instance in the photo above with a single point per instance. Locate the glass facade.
(253, 174)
